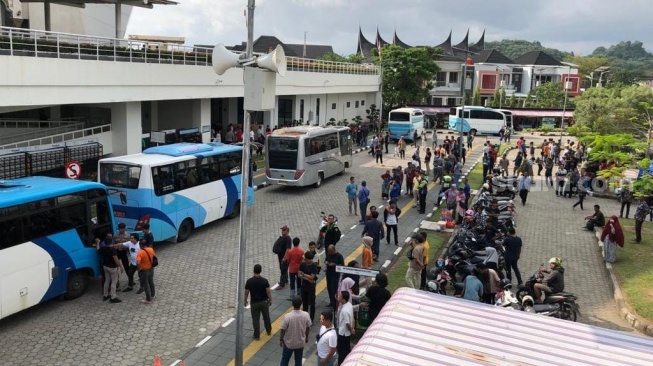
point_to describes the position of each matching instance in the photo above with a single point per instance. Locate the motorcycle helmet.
(557, 261)
(432, 274)
(528, 301)
(469, 212)
(439, 263)
(506, 284)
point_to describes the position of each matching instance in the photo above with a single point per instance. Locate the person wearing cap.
(281, 245)
(416, 256)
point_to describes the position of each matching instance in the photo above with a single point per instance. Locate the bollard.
(157, 361)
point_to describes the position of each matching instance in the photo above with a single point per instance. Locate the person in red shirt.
(294, 257)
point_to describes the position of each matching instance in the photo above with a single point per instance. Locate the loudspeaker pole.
(244, 193)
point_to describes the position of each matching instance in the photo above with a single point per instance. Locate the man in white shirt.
(327, 340)
(346, 326)
(524, 187)
(561, 177)
(132, 247)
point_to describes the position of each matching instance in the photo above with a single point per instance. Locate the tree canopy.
(354, 58)
(407, 74)
(513, 48)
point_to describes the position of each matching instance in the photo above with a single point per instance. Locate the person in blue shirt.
(352, 190)
(473, 289)
(395, 190)
(467, 189)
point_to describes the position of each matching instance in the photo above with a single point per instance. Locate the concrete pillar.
(201, 117)
(126, 128)
(46, 15)
(232, 116)
(55, 113)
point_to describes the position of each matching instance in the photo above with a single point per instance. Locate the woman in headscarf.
(612, 235)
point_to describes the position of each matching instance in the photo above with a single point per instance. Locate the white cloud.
(569, 25)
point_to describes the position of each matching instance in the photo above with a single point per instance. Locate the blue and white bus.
(47, 231)
(404, 122)
(481, 120)
(175, 188)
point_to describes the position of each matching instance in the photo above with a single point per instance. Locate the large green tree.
(623, 109)
(514, 48)
(407, 74)
(355, 58)
(551, 95)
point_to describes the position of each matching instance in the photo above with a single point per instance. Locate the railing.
(43, 132)
(36, 43)
(53, 139)
(30, 123)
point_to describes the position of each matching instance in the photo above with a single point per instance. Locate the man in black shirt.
(258, 289)
(282, 244)
(490, 232)
(308, 275)
(147, 235)
(332, 259)
(378, 295)
(112, 268)
(512, 245)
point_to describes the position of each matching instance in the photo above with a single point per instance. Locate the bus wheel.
(236, 211)
(76, 286)
(320, 176)
(184, 230)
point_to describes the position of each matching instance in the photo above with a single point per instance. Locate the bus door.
(345, 144)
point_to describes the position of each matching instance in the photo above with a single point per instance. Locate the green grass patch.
(475, 176)
(397, 274)
(634, 268)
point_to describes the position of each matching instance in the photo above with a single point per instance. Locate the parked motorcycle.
(506, 298)
(438, 278)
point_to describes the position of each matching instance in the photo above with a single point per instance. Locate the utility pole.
(304, 51)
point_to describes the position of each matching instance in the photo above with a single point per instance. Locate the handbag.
(154, 260)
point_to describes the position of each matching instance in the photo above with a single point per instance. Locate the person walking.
(257, 288)
(352, 190)
(518, 161)
(582, 192)
(391, 219)
(611, 236)
(512, 245)
(416, 256)
(363, 200)
(294, 257)
(294, 333)
(308, 275)
(281, 245)
(145, 263)
(641, 212)
(327, 340)
(374, 229)
(524, 187)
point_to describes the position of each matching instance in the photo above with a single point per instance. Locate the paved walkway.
(550, 228)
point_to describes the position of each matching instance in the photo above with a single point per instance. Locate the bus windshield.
(282, 152)
(120, 175)
(399, 116)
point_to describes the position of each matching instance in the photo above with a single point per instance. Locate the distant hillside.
(629, 60)
(515, 48)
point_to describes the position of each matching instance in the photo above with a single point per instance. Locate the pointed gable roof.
(380, 40)
(537, 58)
(446, 45)
(464, 44)
(480, 44)
(398, 42)
(364, 46)
(491, 56)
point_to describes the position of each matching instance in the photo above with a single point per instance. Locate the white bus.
(305, 155)
(404, 122)
(479, 120)
(175, 188)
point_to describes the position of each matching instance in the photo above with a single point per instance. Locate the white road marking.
(225, 324)
(397, 251)
(206, 339)
(352, 228)
(276, 286)
(386, 264)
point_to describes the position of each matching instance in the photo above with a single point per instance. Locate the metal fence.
(41, 132)
(36, 43)
(61, 137)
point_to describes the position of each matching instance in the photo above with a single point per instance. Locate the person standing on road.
(504, 163)
(548, 171)
(374, 229)
(308, 275)
(641, 212)
(561, 178)
(402, 147)
(363, 200)
(346, 326)
(294, 257)
(512, 245)
(147, 235)
(131, 247)
(112, 268)
(327, 340)
(518, 161)
(120, 238)
(281, 245)
(611, 236)
(524, 187)
(378, 295)
(391, 219)
(386, 141)
(486, 165)
(258, 289)
(422, 190)
(473, 287)
(352, 189)
(332, 259)
(438, 169)
(144, 261)
(378, 151)
(294, 333)
(332, 232)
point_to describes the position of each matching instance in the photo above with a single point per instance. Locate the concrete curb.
(635, 321)
(264, 184)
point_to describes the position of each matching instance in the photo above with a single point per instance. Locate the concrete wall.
(33, 82)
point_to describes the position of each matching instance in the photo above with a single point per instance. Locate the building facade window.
(453, 78)
(362, 102)
(356, 104)
(333, 105)
(348, 104)
(441, 79)
(436, 101)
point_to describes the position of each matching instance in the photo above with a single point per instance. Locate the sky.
(579, 25)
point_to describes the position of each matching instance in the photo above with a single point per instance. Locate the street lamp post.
(567, 86)
(468, 61)
(501, 86)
